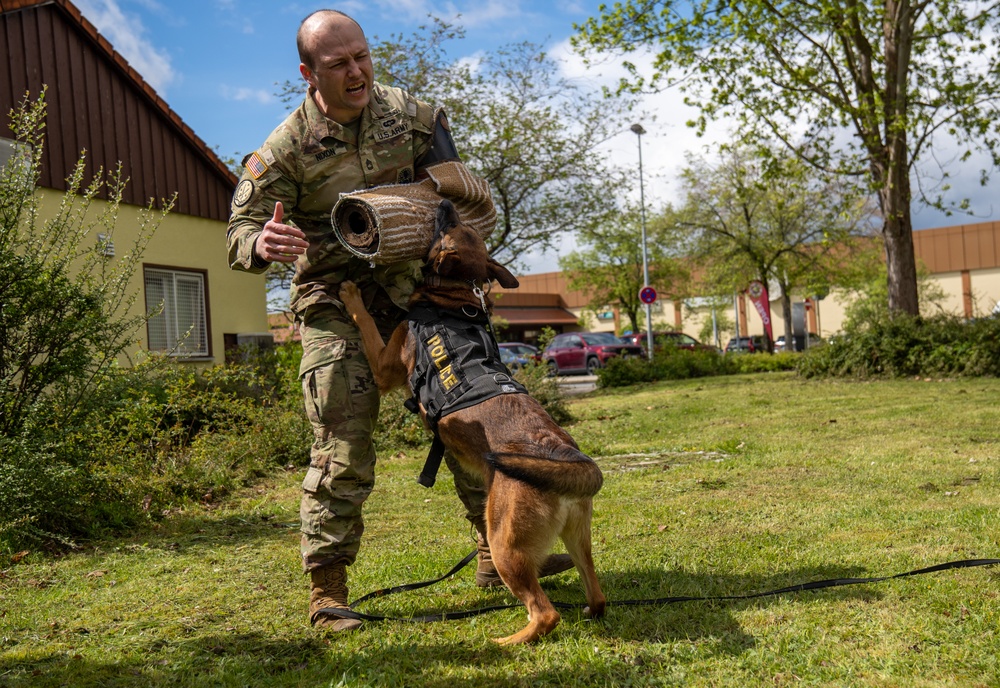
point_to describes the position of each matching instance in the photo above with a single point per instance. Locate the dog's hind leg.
(519, 572)
(518, 547)
(576, 536)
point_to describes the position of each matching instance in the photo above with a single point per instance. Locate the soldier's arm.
(254, 204)
(423, 128)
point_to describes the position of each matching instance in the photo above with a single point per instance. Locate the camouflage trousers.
(342, 403)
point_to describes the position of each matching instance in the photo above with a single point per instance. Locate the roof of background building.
(98, 102)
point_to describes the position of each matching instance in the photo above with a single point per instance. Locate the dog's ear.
(501, 274)
(445, 262)
(447, 217)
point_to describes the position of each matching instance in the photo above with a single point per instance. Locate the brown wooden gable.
(98, 102)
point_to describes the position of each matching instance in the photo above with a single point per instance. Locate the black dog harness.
(457, 365)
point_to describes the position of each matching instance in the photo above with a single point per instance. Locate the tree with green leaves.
(609, 268)
(758, 215)
(64, 306)
(863, 90)
(66, 318)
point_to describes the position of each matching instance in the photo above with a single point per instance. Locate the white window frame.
(171, 330)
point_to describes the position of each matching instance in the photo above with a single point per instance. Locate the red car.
(585, 352)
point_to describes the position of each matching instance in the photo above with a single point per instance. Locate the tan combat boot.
(329, 591)
(486, 572)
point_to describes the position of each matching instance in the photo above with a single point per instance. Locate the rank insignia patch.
(243, 193)
(255, 166)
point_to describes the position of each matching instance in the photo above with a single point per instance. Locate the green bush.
(682, 364)
(145, 440)
(398, 428)
(942, 345)
(86, 445)
(667, 364)
(546, 391)
(762, 363)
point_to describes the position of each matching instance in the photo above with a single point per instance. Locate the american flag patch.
(256, 166)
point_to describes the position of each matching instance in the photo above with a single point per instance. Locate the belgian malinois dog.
(539, 484)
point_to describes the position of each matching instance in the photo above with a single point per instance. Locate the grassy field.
(721, 486)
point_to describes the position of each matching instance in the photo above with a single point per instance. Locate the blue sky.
(217, 63)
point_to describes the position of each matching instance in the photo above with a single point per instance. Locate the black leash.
(452, 616)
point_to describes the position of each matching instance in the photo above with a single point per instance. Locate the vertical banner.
(758, 294)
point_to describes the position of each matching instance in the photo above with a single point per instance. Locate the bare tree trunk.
(786, 307)
(633, 317)
(897, 226)
(897, 230)
(897, 235)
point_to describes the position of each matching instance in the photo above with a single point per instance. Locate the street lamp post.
(639, 131)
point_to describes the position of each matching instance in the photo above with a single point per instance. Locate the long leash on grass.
(352, 613)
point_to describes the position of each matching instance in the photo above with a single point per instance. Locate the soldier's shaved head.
(318, 19)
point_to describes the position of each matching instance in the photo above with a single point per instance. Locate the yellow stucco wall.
(951, 285)
(236, 300)
(985, 291)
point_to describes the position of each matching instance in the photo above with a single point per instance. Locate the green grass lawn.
(722, 486)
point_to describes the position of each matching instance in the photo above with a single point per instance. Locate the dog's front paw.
(350, 295)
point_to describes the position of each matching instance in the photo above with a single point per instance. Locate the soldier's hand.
(280, 242)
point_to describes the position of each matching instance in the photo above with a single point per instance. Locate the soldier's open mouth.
(355, 90)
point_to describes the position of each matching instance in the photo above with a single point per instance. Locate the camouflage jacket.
(306, 163)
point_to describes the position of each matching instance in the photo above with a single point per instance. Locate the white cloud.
(663, 115)
(242, 93)
(127, 35)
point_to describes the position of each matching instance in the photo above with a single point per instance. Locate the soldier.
(349, 133)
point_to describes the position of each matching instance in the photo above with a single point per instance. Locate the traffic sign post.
(648, 296)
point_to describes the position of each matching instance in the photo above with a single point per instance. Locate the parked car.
(661, 339)
(585, 352)
(513, 361)
(523, 350)
(754, 344)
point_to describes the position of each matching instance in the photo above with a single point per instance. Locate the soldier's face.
(342, 72)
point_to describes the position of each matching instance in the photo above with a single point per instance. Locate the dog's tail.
(564, 470)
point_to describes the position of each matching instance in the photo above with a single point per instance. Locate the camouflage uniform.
(306, 163)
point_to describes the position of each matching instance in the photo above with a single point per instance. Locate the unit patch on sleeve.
(255, 165)
(243, 193)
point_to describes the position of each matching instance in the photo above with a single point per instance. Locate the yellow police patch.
(439, 354)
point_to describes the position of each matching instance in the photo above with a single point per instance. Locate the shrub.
(910, 346)
(762, 363)
(668, 364)
(85, 445)
(546, 391)
(397, 427)
(682, 364)
(64, 317)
